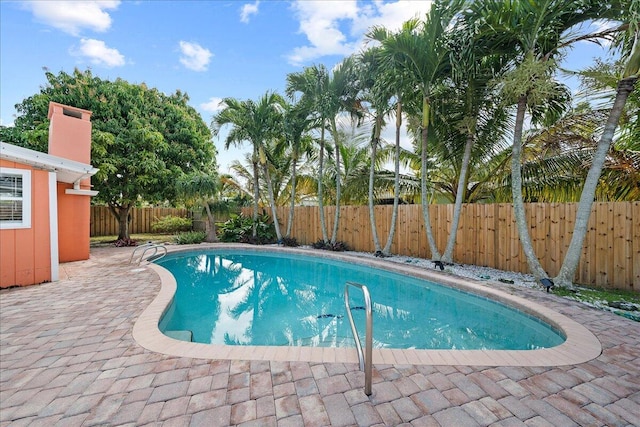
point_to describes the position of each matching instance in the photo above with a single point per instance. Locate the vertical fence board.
(504, 234)
(482, 245)
(622, 244)
(417, 230)
(554, 235)
(602, 244)
(491, 212)
(538, 223)
(635, 257)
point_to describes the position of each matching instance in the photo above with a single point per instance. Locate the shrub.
(120, 243)
(320, 244)
(337, 246)
(328, 246)
(290, 241)
(172, 224)
(190, 237)
(233, 229)
(239, 228)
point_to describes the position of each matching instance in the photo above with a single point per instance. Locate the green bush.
(338, 246)
(172, 224)
(290, 241)
(239, 228)
(190, 237)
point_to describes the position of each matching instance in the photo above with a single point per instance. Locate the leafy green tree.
(143, 141)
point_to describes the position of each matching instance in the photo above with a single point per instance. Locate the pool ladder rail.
(148, 247)
(366, 363)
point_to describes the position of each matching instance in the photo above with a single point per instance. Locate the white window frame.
(26, 199)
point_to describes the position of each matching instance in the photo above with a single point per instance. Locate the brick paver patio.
(67, 358)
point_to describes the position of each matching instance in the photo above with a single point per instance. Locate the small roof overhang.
(68, 171)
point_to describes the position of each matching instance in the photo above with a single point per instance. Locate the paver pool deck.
(68, 358)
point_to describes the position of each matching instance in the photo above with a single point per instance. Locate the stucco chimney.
(70, 132)
(70, 137)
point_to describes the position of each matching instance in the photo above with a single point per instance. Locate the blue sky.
(208, 49)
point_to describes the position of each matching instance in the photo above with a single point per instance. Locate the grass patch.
(626, 303)
(140, 238)
(595, 295)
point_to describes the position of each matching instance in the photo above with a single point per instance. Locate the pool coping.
(580, 346)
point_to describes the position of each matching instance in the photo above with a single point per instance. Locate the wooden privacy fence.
(488, 236)
(103, 223)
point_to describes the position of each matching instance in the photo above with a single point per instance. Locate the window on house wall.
(15, 198)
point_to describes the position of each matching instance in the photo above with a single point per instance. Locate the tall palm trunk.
(292, 206)
(256, 191)
(272, 200)
(570, 263)
(396, 181)
(323, 222)
(212, 235)
(426, 110)
(375, 140)
(460, 195)
(336, 218)
(516, 189)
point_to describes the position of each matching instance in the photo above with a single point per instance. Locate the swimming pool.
(580, 345)
(240, 297)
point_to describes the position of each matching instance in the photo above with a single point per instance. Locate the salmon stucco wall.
(74, 225)
(70, 132)
(25, 254)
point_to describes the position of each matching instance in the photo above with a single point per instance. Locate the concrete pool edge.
(580, 346)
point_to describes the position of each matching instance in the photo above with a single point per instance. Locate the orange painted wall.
(74, 221)
(70, 137)
(25, 253)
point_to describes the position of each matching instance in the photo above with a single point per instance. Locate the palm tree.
(626, 85)
(354, 162)
(312, 82)
(341, 97)
(296, 124)
(420, 50)
(381, 83)
(477, 113)
(532, 34)
(255, 122)
(329, 94)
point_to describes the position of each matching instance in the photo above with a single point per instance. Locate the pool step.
(180, 335)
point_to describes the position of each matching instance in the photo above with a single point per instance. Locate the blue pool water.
(240, 297)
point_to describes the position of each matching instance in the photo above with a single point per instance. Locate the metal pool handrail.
(366, 363)
(147, 247)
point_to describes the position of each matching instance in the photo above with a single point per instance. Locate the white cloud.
(194, 56)
(391, 14)
(337, 28)
(214, 105)
(73, 16)
(248, 10)
(99, 53)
